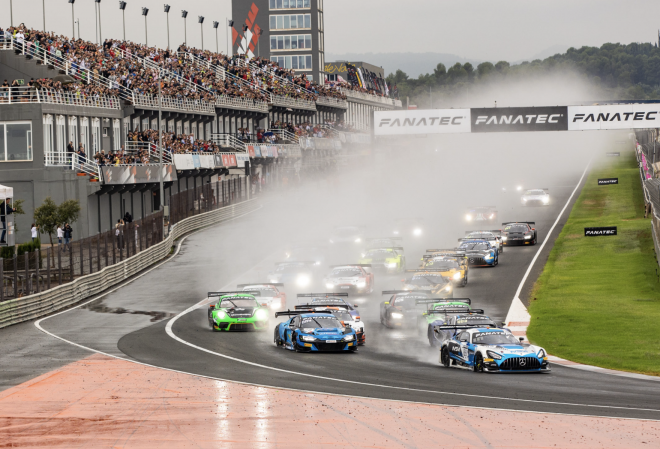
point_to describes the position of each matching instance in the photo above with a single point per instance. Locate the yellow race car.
(451, 264)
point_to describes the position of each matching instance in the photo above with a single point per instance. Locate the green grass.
(598, 299)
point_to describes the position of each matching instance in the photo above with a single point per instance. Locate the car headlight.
(524, 200)
(391, 265)
(417, 232)
(396, 232)
(494, 355)
(220, 315)
(457, 276)
(396, 315)
(491, 216)
(307, 338)
(261, 314)
(504, 238)
(468, 217)
(527, 237)
(362, 284)
(273, 281)
(303, 281)
(349, 338)
(276, 303)
(541, 354)
(358, 240)
(519, 188)
(546, 200)
(329, 285)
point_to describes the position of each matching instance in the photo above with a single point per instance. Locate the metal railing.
(241, 103)
(28, 94)
(332, 102)
(368, 97)
(151, 148)
(73, 160)
(229, 141)
(172, 103)
(285, 134)
(289, 102)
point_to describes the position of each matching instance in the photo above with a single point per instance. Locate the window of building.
(320, 5)
(291, 42)
(16, 139)
(116, 134)
(60, 134)
(96, 137)
(320, 21)
(73, 131)
(289, 4)
(320, 41)
(84, 133)
(49, 143)
(299, 62)
(290, 21)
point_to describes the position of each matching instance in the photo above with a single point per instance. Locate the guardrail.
(332, 102)
(73, 160)
(241, 103)
(368, 97)
(150, 148)
(37, 305)
(651, 200)
(288, 102)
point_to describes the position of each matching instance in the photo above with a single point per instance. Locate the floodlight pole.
(160, 142)
(11, 12)
(168, 30)
(73, 23)
(43, 5)
(123, 12)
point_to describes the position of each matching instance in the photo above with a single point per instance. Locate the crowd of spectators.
(121, 64)
(28, 92)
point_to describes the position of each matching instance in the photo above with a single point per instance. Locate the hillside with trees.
(614, 71)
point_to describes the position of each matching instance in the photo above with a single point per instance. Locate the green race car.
(237, 311)
(390, 259)
(436, 310)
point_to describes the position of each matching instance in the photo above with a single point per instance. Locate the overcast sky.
(481, 29)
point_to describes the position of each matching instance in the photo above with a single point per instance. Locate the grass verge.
(598, 299)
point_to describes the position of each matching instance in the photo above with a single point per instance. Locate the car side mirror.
(211, 306)
(264, 304)
(387, 303)
(503, 323)
(355, 305)
(521, 339)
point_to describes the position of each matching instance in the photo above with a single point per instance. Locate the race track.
(154, 320)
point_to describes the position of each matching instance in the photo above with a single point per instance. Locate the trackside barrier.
(41, 304)
(650, 187)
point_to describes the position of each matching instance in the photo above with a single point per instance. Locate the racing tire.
(497, 261)
(211, 325)
(465, 281)
(478, 363)
(277, 340)
(444, 357)
(353, 349)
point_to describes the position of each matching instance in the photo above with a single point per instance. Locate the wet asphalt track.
(395, 364)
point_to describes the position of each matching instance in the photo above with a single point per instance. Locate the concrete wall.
(19, 67)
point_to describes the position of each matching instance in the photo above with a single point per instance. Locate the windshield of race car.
(474, 246)
(238, 302)
(265, 291)
(442, 264)
(516, 228)
(450, 306)
(494, 338)
(480, 235)
(408, 301)
(345, 273)
(374, 253)
(329, 300)
(318, 322)
(342, 315)
(427, 279)
(534, 192)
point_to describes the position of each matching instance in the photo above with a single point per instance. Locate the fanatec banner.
(421, 121)
(616, 116)
(488, 120)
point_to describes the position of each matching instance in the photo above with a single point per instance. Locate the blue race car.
(491, 350)
(479, 252)
(307, 331)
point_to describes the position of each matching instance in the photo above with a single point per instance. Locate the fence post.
(48, 251)
(114, 251)
(2, 279)
(37, 253)
(71, 273)
(120, 245)
(128, 240)
(89, 250)
(105, 243)
(15, 276)
(26, 282)
(59, 266)
(82, 258)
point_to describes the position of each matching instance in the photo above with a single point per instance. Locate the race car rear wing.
(397, 292)
(297, 262)
(320, 295)
(296, 312)
(312, 306)
(461, 311)
(447, 300)
(274, 284)
(531, 223)
(462, 326)
(425, 270)
(394, 248)
(241, 292)
(364, 265)
(477, 239)
(447, 252)
(494, 231)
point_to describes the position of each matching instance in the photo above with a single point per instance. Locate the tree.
(69, 211)
(46, 218)
(17, 205)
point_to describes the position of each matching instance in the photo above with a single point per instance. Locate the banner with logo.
(137, 174)
(614, 116)
(553, 118)
(421, 121)
(607, 181)
(596, 232)
(228, 159)
(242, 158)
(250, 149)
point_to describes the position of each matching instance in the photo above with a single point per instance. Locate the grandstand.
(71, 109)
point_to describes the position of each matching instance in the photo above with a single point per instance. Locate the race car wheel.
(465, 281)
(478, 364)
(444, 357)
(277, 340)
(211, 324)
(497, 260)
